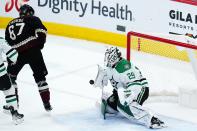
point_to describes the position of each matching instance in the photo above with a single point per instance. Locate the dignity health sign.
(155, 16)
(118, 11)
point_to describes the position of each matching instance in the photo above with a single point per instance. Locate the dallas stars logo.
(113, 82)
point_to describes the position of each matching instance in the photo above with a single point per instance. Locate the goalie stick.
(103, 103)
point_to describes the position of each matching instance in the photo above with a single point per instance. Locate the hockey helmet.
(112, 56)
(26, 10)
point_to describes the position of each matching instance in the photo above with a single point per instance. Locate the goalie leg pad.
(136, 113)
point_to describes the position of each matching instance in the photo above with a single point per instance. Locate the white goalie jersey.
(10, 54)
(131, 89)
(125, 77)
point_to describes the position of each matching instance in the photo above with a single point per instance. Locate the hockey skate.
(156, 123)
(6, 110)
(48, 107)
(16, 117)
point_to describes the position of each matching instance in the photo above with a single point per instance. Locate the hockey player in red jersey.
(27, 35)
(5, 84)
(130, 90)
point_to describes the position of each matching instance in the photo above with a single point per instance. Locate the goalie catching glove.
(101, 79)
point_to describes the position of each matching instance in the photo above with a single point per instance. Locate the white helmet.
(112, 56)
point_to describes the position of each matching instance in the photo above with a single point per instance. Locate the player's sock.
(45, 96)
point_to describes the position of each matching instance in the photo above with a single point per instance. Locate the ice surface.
(71, 64)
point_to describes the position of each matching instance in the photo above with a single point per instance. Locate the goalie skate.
(156, 123)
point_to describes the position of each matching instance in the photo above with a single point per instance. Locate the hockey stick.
(102, 90)
(187, 34)
(103, 101)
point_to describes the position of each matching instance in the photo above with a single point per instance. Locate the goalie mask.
(112, 56)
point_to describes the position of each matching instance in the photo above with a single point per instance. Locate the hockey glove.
(41, 38)
(101, 78)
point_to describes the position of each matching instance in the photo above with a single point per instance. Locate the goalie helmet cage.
(131, 40)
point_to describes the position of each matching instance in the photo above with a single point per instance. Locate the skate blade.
(7, 112)
(18, 121)
(158, 126)
(49, 110)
